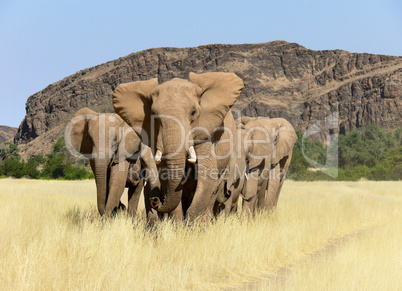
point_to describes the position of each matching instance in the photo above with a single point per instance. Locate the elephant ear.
(220, 92)
(129, 144)
(285, 139)
(77, 131)
(132, 102)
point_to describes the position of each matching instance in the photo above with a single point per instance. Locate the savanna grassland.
(323, 235)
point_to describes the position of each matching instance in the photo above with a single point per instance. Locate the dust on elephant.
(110, 143)
(193, 118)
(268, 146)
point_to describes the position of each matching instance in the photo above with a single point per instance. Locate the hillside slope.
(7, 133)
(281, 79)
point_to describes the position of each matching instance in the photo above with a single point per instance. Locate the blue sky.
(42, 42)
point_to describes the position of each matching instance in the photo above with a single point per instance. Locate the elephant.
(115, 153)
(188, 124)
(231, 189)
(268, 147)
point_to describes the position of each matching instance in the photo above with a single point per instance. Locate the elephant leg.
(277, 177)
(250, 191)
(117, 182)
(134, 194)
(209, 213)
(122, 207)
(207, 180)
(202, 203)
(233, 208)
(222, 201)
(217, 209)
(249, 205)
(227, 206)
(177, 214)
(223, 207)
(152, 215)
(235, 196)
(261, 194)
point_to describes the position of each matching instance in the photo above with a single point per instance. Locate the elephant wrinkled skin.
(110, 144)
(268, 146)
(191, 116)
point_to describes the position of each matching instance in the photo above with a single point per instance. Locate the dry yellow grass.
(51, 238)
(368, 260)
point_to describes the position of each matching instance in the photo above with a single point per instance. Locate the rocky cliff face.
(7, 133)
(281, 80)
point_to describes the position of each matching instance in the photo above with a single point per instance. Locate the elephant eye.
(193, 112)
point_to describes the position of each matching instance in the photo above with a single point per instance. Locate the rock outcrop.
(281, 80)
(7, 133)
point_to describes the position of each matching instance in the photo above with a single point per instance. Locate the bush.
(370, 153)
(8, 150)
(57, 165)
(60, 164)
(54, 167)
(76, 173)
(12, 167)
(31, 171)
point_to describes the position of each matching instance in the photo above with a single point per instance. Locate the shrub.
(12, 167)
(72, 172)
(370, 153)
(60, 164)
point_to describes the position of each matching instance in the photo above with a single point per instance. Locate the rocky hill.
(281, 79)
(7, 133)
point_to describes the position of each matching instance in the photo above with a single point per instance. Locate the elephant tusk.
(158, 157)
(193, 156)
(245, 174)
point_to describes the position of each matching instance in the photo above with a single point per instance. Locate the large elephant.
(268, 146)
(193, 118)
(110, 145)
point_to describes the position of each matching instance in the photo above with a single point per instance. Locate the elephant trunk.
(172, 172)
(99, 167)
(250, 192)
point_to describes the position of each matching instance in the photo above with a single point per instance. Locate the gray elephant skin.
(268, 152)
(110, 144)
(192, 117)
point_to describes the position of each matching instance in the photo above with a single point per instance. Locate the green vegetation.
(59, 164)
(370, 153)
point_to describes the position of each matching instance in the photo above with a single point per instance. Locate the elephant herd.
(179, 144)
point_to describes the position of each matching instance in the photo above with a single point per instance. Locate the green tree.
(8, 150)
(60, 164)
(12, 167)
(370, 153)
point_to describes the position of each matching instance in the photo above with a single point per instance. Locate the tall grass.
(369, 260)
(52, 238)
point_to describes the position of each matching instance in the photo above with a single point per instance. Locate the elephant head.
(108, 142)
(188, 112)
(267, 143)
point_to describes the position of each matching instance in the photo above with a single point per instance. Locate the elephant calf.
(116, 157)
